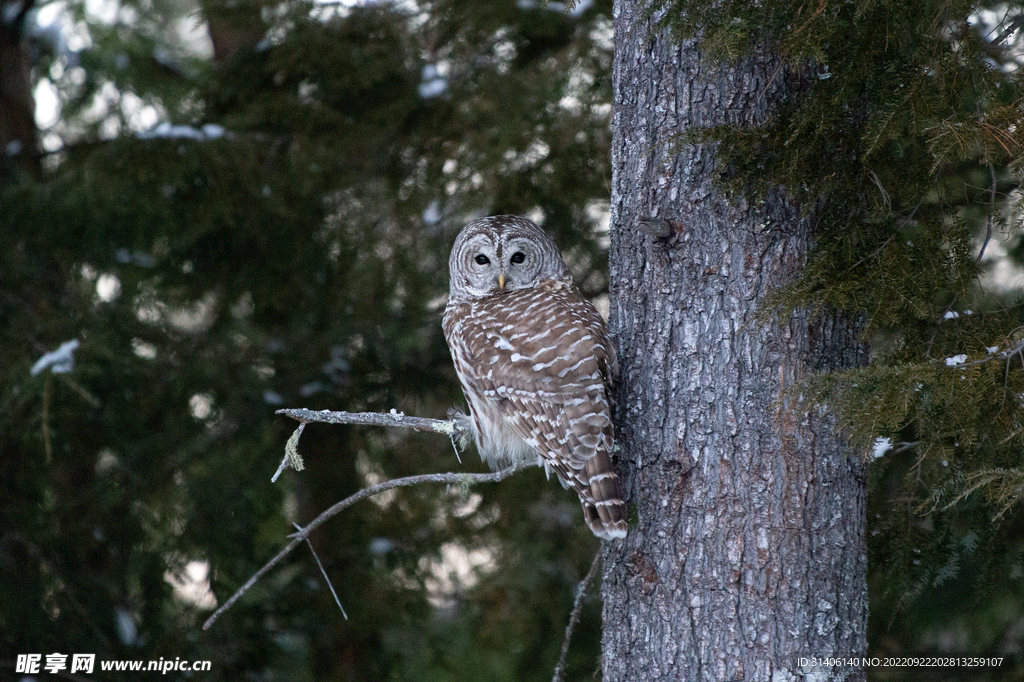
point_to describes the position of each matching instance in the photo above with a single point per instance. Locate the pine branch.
(1000, 355)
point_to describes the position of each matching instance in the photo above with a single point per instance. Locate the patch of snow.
(956, 360)
(881, 446)
(48, 28)
(380, 546)
(578, 9)
(143, 260)
(432, 214)
(210, 131)
(60, 361)
(214, 131)
(433, 83)
(127, 631)
(162, 57)
(951, 315)
(312, 388)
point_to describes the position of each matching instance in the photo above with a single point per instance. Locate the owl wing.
(543, 358)
(541, 362)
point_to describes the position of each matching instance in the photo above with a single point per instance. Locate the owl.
(535, 363)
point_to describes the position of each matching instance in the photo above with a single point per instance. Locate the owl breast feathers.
(535, 363)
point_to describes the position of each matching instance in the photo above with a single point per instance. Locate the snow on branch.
(993, 354)
(210, 131)
(58, 361)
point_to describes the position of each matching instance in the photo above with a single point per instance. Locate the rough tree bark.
(748, 548)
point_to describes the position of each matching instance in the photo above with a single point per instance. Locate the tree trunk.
(17, 105)
(746, 549)
(233, 27)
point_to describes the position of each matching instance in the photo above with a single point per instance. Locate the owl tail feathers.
(604, 510)
(606, 530)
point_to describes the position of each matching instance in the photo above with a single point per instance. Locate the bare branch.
(574, 617)
(298, 538)
(1014, 24)
(449, 427)
(456, 431)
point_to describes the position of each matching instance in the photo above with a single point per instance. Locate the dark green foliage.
(900, 137)
(298, 260)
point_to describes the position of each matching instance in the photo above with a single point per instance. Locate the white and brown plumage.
(534, 361)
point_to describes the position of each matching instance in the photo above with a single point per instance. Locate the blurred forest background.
(234, 206)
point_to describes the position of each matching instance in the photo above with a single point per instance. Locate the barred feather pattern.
(535, 364)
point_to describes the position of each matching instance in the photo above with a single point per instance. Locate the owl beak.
(501, 281)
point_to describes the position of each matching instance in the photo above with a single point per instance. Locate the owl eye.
(481, 259)
(518, 257)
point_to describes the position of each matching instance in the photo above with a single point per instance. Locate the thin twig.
(324, 572)
(991, 210)
(574, 617)
(299, 537)
(1006, 381)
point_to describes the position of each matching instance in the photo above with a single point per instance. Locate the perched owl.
(535, 362)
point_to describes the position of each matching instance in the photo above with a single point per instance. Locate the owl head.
(502, 253)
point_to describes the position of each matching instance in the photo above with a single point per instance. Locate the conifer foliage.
(228, 206)
(232, 207)
(901, 138)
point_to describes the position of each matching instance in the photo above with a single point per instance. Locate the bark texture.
(746, 548)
